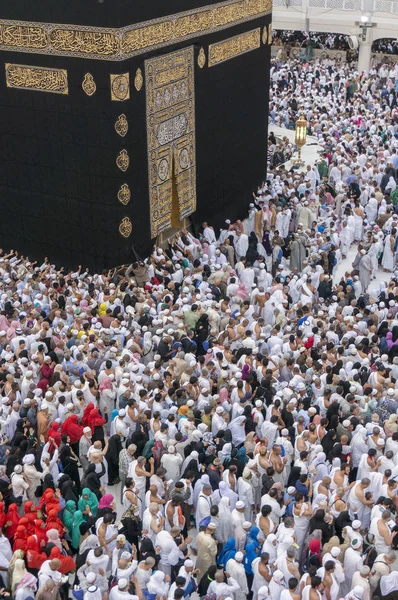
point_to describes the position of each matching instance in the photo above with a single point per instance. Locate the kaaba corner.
(127, 123)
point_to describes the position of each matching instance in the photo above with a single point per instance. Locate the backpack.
(311, 560)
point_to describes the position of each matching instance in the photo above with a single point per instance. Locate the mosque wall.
(74, 181)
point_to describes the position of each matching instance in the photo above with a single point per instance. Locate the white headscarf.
(89, 543)
(269, 547)
(237, 431)
(157, 585)
(193, 456)
(389, 583)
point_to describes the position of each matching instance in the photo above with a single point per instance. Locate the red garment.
(30, 513)
(46, 372)
(13, 516)
(72, 428)
(315, 548)
(55, 435)
(67, 562)
(86, 414)
(49, 501)
(34, 557)
(310, 342)
(23, 522)
(3, 516)
(53, 522)
(20, 539)
(95, 419)
(40, 532)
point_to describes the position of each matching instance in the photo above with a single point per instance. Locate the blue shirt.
(302, 489)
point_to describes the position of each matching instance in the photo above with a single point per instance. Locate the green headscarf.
(91, 501)
(67, 517)
(77, 521)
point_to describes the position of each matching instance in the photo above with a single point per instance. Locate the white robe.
(237, 572)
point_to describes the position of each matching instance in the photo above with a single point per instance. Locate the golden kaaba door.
(170, 106)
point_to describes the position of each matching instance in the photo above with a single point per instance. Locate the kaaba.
(123, 119)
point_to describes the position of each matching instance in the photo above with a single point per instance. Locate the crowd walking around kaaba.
(219, 421)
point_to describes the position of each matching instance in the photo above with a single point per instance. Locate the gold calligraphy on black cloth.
(119, 44)
(40, 79)
(232, 47)
(170, 105)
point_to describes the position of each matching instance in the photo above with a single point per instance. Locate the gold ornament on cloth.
(121, 125)
(120, 87)
(40, 79)
(123, 160)
(124, 194)
(265, 35)
(88, 84)
(125, 227)
(138, 80)
(270, 33)
(170, 112)
(201, 58)
(116, 44)
(235, 46)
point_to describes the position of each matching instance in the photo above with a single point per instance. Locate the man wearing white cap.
(121, 591)
(361, 579)
(188, 571)
(33, 476)
(121, 427)
(236, 570)
(335, 555)
(172, 461)
(353, 560)
(19, 484)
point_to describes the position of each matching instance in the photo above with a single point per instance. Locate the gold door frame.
(170, 107)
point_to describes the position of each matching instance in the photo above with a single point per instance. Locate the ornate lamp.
(301, 134)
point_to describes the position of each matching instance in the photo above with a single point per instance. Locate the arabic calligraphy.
(124, 194)
(123, 160)
(21, 36)
(232, 47)
(89, 85)
(122, 126)
(119, 44)
(125, 227)
(170, 105)
(40, 79)
(120, 87)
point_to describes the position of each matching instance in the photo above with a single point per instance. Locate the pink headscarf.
(223, 393)
(4, 324)
(11, 330)
(106, 384)
(106, 501)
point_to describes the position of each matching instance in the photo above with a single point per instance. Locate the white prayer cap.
(263, 593)
(240, 505)
(122, 583)
(90, 577)
(335, 551)
(29, 459)
(356, 524)
(239, 556)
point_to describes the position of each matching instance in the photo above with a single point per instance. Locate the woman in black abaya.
(112, 458)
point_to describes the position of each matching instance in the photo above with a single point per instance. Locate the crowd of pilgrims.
(220, 420)
(321, 41)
